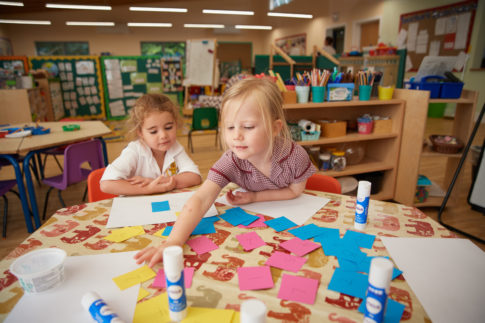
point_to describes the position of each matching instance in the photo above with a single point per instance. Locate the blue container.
(451, 90)
(437, 88)
(340, 91)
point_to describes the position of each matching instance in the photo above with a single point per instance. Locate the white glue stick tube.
(253, 311)
(98, 309)
(173, 265)
(362, 205)
(380, 275)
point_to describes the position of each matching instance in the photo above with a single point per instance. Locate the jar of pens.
(302, 87)
(319, 80)
(366, 81)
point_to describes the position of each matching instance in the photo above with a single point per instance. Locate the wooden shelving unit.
(381, 150)
(413, 134)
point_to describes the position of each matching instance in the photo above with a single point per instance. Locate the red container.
(365, 128)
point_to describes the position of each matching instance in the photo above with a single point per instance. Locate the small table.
(79, 230)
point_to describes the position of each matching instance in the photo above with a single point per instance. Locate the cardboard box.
(382, 126)
(333, 128)
(289, 97)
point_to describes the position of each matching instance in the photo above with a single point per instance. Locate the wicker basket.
(445, 148)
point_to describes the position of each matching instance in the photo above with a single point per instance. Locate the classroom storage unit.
(413, 150)
(381, 149)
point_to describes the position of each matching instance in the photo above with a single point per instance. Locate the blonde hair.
(149, 103)
(269, 103)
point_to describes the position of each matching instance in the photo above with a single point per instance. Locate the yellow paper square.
(208, 315)
(142, 293)
(134, 277)
(123, 234)
(153, 310)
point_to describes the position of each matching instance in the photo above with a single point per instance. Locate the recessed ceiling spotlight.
(76, 6)
(228, 12)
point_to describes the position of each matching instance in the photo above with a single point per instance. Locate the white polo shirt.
(137, 160)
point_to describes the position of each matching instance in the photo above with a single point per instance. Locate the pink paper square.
(259, 223)
(285, 261)
(159, 281)
(202, 245)
(299, 247)
(252, 278)
(299, 289)
(250, 240)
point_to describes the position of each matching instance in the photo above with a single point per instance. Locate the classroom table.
(32, 145)
(79, 230)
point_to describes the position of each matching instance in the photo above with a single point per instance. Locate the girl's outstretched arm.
(291, 192)
(192, 212)
(187, 179)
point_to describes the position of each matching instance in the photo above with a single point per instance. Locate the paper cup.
(302, 93)
(40, 270)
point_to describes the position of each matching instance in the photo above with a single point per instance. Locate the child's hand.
(239, 198)
(139, 180)
(162, 184)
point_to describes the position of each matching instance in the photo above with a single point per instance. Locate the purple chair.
(6, 186)
(74, 156)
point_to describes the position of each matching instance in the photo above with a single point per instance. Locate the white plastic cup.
(40, 270)
(253, 311)
(302, 93)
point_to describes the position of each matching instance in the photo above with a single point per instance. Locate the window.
(61, 48)
(166, 49)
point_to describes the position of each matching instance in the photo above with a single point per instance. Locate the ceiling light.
(229, 12)
(89, 23)
(11, 3)
(148, 24)
(290, 15)
(75, 6)
(203, 26)
(25, 22)
(253, 27)
(156, 9)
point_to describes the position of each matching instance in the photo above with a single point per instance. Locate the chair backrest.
(205, 118)
(323, 183)
(94, 191)
(78, 153)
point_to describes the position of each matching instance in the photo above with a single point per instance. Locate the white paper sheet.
(82, 274)
(401, 39)
(137, 210)
(439, 26)
(412, 34)
(463, 24)
(298, 210)
(445, 274)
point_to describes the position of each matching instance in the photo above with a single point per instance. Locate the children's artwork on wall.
(294, 45)
(172, 74)
(14, 64)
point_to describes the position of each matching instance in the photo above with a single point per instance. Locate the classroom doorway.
(369, 33)
(338, 35)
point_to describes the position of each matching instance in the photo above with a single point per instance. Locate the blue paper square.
(280, 224)
(237, 216)
(167, 231)
(205, 226)
(327, 233)
(160, 206)
(349, 282)
(364, 266)
(361, 239)
(394, 310)
(306, 232)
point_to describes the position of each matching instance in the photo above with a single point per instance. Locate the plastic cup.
(40, 270)
(385, 93)
(364, 92)
(318, 93)
(302, 93)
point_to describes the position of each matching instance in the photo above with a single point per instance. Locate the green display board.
(126, 78)
(81, 86)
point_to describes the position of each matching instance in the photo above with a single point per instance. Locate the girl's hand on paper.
(139, 180)
(240, 198)
(152, 254)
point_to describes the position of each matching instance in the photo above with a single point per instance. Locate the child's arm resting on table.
(192, 212)
(288, 193)
(187, 179)
(138, 185)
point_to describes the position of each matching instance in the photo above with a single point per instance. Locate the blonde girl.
(155, 162)
(260, 158)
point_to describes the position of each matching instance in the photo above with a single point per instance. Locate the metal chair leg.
(45, 202)
(60, 198)
(5, 212)
(85, 193)
(190, 144)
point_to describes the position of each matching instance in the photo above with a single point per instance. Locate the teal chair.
(203, 119)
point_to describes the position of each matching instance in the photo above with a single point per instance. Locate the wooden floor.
(458, 213)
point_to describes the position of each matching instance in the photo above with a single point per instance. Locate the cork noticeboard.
(439, 31)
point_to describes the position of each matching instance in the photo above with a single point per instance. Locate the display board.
(81, 86)
(127, 78)
(14, 64)
(440, 31)
(172, 74)
(201, 62)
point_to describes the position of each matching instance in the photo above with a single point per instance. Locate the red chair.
(94, 191)
(323, 183)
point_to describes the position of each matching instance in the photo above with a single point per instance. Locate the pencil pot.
(365, 125)
(318, 93)
(385, 93)
(302, 93)
(364, 92)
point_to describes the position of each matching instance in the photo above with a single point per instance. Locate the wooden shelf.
(351, 137)
(460, 100)
(331, 105)
(368, 165)
(428, 152)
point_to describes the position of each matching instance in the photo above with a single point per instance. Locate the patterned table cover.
(80, 229)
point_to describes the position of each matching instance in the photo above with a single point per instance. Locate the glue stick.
(253, 311)
(362, 205)
(98, 309)
(173, 265)
(379, 280)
